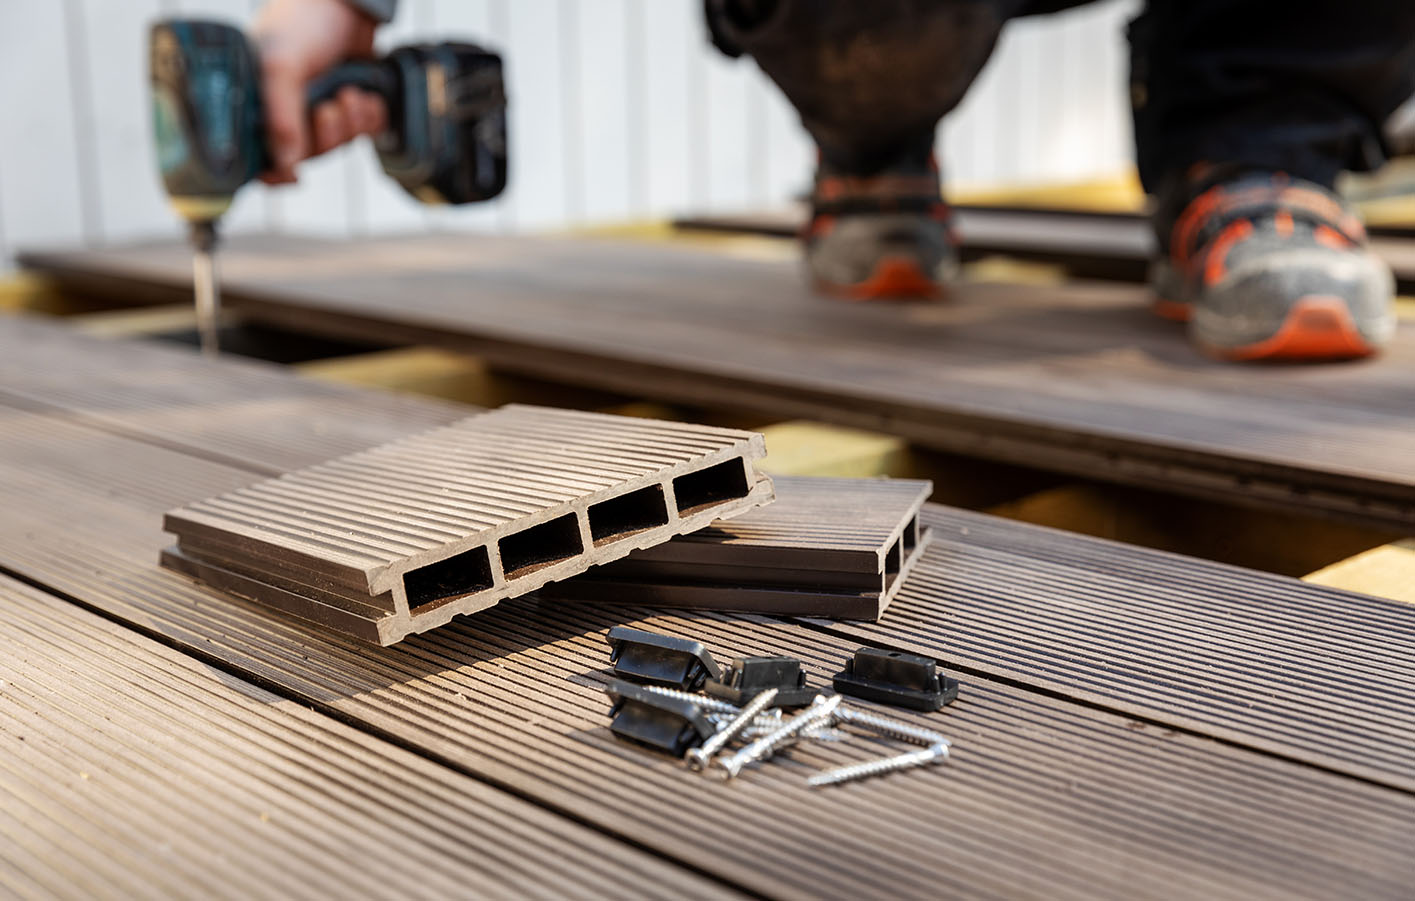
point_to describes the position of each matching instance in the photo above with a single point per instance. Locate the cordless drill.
(445, 141)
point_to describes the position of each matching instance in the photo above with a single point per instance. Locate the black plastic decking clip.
(891, 677)
(669, 724)
(747, 677)
(660, 660)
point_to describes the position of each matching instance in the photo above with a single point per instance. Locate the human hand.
(299, 39)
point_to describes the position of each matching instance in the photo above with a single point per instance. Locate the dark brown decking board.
(132, 770)
(833, 547)
(974, 607)
(1089, 244)
(1028, 571)
(1265, 661)
(249, 413)
(1043, 796)
(1079, 378)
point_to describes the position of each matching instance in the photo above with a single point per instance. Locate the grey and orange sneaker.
(1266, 267)
(882, 236)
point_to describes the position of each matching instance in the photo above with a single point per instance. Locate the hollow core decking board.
(402, 537)
(132, 770)
(1042, 796)
(1078, 378)
(1116, 246)
(825, 547)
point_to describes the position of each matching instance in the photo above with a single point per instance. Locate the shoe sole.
(893, 278)
(1316, 328)
(1173, 310)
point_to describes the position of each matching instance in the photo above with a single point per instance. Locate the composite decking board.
(1138, 630)
(1077, 378)
(1089, 244)
(538, 668)
(825, 547)
(527, 494)
(131, 769)
(236, 409)
(1258, 659)
(1041, 797)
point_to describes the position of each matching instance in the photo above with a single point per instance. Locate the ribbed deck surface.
(1268, 661)
(372, 510)
(529, 489)
(236, 410)
(132, 770)
(1042, 797)
(1077, 378)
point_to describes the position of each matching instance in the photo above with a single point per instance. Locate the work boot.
(1267, 267)
(881, 236)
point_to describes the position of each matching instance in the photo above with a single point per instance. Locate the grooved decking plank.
(1317, 674)
(1077, 378)
(449, 522)
(133, 770)
(1042, 796)
(242, 411)
(825, 547)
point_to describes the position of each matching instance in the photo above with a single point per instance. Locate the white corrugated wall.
(620, 110)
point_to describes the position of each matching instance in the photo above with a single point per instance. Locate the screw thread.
(788, 732)
(856, 771)
(699, 757)
(890, 728)
(705, 703)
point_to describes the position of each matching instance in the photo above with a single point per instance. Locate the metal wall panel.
(622, 110)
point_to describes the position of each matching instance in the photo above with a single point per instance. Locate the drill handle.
(372, 76)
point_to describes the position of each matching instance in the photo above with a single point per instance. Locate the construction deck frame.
(401, 538)
(1136, 724)
(838, 548)
(1075, 378)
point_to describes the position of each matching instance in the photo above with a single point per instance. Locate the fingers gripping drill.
(445, 141)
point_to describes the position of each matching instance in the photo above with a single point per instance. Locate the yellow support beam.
(812, 448)
(23, 292)
(432, 372)
(136, 323)
(1283, 543)
(1387, 571)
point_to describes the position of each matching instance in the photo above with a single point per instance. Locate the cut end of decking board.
(828, 547)
(403, 537)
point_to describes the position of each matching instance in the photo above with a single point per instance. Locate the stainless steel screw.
(698, 758)
(823, 731)
(763, 747)
(890, 728)
(933, 754)
(705, 703)
(767, 719)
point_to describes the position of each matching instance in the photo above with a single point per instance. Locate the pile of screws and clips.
(657, 702)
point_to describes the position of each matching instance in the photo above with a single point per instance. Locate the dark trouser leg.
(1301, 86)
(870, 78)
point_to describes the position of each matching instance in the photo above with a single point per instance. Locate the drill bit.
(207, 284)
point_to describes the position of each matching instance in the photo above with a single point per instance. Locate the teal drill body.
(445, 141)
